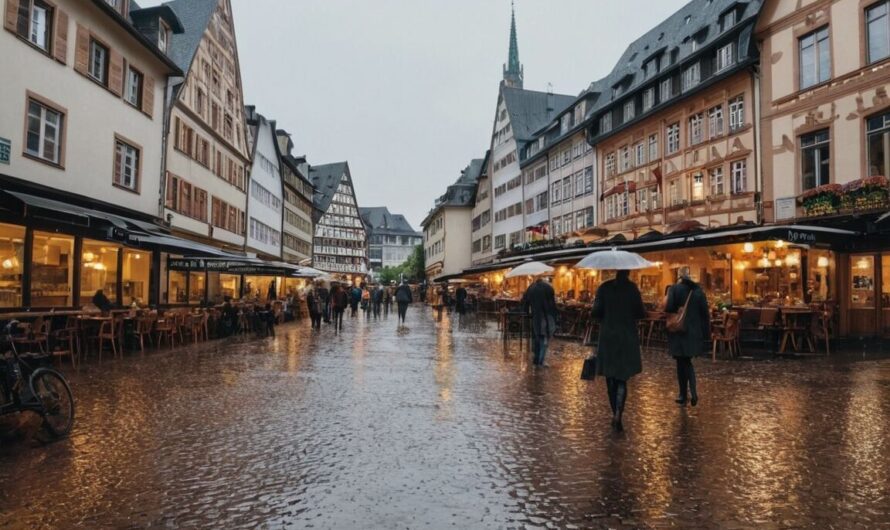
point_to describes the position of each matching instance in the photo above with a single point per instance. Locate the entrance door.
(864, 302)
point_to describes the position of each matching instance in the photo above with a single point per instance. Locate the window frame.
(117, 179)
(815, 146)
(817, 80)
(140, 87)
(61, 137)
(96, 44)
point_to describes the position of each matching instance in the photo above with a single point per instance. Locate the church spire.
(513, 71)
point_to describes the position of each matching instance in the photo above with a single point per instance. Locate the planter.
(824, 200)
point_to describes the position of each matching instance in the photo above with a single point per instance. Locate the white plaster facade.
(265, 197)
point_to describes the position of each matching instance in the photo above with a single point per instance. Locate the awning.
(179, 245)
(36, 207)
(239, 265)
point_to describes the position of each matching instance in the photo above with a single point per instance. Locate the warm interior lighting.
(780, 244)
(748, 248)
(779, 263)
(8, 264)
(793, 260)
(88, 256)
(862, 264)
(822, 262)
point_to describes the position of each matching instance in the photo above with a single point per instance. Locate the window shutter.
(60, 44)
(82, 50)
(148, 95)
(116, 72)
(10, 22)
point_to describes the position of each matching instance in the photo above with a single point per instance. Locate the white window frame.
(629, 111)
(653, 147)
(816, 37)
(739, 176)
(717, 181)
(725, 57)
(606, 123)
(127, 158)
(648, 99)
(98, 54)
(696, 128)
(884, 19)
(673, 138)
(691, 76)
(40, 26)
(666, 90)
(716, 122)
(46, 131)
(135, 83)
(736, 113)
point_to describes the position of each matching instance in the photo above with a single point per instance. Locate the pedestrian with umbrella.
(688, 328)
(618, 306)
(539, 300)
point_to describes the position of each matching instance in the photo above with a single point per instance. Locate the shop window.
(862, 279)
(878, 130)
(196, 288)
(98, 270)
(12, 264)
(136, 277)
(222, 286)
(819, 282)
(52, 270)
(177, 292)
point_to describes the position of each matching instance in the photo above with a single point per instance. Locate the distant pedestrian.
(687, 344)
(403, 299)
(339, 303)
(366, 301)
(618, 306)
(324, 297)
(313, 304)
(355, 298)
(461, 300)
(377, 300)
(540, 301)
(387, 300)
(423, 292)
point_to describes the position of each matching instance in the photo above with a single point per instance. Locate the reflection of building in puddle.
(865, 433)
(444, 369)
(659, 456)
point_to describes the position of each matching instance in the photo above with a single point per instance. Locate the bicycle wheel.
(53, 392)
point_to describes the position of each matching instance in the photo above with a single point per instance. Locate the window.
(653, 147)
(579, 184)
(98, 270)
(629, 110)
(567, 224)
(727, 21)
(588, 180)
(580, 220)
(606, 123)
(566, 156)
(878, 131)
(691, 77)
(665, 90)
(698, 187)
(715, 121)
(554, 163)
(736, 113)
(673, 138)
(163, 36)
(815, 151)
(98, 68)
(626, 161)
(39, 26)
(717, 185)
(126, 165)
(530, 206)
(52, 270)
(739, 175)
(696, 128)
(725, 57)
(45, 132)
(640, 150)
(815, 58)
(878, 29)
(541, 201)
(555, 193)
(674, 193)
(610, 165)
(133, 94)
(567, 188)
(500, 241)
(648, 99)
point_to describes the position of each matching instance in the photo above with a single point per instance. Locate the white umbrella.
(310, 272)
(530, 268)
(614, 260)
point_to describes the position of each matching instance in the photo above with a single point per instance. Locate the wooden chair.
(165, 329)
(727, 336)
(768, 323)
(112, 330)
(821, 329)
(144, 329)
(797, 327)
(36, 334)
(66, 341)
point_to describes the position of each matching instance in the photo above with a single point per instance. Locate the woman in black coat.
(689, 343)
(618, 306)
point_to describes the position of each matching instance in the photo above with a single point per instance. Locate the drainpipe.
(758, 143)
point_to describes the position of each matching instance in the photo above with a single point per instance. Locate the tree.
(413, 269)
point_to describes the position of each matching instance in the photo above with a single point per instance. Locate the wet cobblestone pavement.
(434, 428)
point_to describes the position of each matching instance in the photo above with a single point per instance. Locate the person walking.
(324, 298)
(618, 306)
(689, 343)
(403, 299)
(377, 299)
(313, 304)
(339, 303)
(387, 300)
(355, 298)
(366, 301)
(540, 300)
(461, 300)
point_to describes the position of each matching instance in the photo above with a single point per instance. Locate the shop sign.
(800, 238)
(119, 234)
(229, 267)
(5, 150)
(786, 208)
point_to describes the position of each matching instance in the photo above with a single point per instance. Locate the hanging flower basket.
(823, 200)
(870, 193)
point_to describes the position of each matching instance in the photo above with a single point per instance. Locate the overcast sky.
(405, 90)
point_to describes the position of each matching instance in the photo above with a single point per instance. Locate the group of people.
(618, 306)
(330, 304)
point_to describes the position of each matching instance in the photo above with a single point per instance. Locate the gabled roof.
(195, 17)
(326, 179)
(530, 110)
(381, 221)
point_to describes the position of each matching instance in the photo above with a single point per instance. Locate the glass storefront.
(12, 264)
(136, 276)
(52, 270)
(177, 287)
(197, 287)
(262, 288)
(98, 270)
(221, 286)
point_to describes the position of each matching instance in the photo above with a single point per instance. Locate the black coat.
(698, 319)
(618, 306)
(403, 294)
(540, 300)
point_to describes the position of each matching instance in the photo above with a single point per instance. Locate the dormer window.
(606, 123)
(728, 20)
(650, 68)
(629, 111)
(163, 35)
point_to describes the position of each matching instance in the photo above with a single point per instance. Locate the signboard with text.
(786, 208)
(5, 150)
(224, 266)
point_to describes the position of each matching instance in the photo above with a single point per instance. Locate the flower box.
(824, 200)
(866, 194)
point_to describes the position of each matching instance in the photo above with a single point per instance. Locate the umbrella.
(530, 268)
(309, 272)
(614, 260)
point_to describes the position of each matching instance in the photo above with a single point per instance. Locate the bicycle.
(24, 387)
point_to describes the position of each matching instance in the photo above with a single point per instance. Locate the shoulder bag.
(676, 323)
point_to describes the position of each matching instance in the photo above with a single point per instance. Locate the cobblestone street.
(434, 428)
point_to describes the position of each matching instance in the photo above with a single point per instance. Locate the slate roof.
(699, 18)
(530, 110)
(326, 178)
(195, 17)
(381, 221)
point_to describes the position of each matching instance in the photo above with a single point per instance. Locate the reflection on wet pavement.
(433, 428)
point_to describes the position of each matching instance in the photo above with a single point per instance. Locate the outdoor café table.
(794, 321)
(653, 324)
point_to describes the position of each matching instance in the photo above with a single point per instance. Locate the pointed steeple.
(513, 71)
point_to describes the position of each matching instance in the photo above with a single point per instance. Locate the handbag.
(676, 323)
(588, 370)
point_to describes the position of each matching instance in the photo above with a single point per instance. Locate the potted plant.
(870, 193)
(823, 200)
